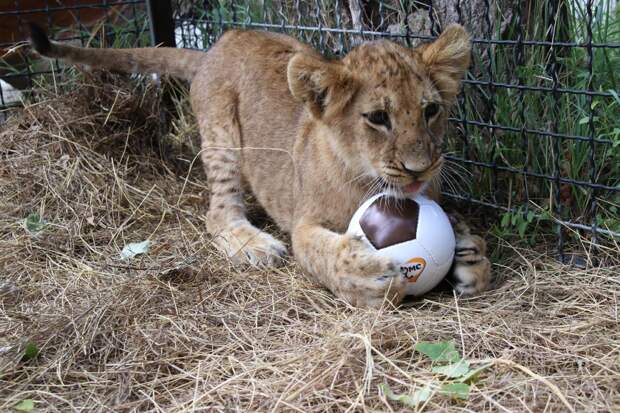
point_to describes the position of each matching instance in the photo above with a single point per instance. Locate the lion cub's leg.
(226, 219)
(471, 272)
(347, 266)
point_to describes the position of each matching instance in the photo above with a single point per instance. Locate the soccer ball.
(415, 232)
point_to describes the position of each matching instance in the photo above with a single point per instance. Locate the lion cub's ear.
(324, 86)
(447, 59)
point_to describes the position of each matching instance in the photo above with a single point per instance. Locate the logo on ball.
(413, 268)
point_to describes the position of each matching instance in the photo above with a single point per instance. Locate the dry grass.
(180, 329)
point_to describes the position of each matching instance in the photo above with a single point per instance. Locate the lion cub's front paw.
(246, 244)
(365, 279)
(472, 270)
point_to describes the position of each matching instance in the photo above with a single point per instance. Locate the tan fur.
(277, 117)
(176, 62)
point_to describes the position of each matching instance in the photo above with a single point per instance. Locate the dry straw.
(181, 330)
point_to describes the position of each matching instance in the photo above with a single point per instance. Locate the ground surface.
(179, 329)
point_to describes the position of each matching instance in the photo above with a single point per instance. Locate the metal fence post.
(161, 22)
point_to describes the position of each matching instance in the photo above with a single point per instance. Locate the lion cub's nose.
(416, 168)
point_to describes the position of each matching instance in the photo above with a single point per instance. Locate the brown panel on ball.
(389, 221)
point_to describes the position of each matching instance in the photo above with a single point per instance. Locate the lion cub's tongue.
(413, 187)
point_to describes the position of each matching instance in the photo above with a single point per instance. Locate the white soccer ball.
(415, 232)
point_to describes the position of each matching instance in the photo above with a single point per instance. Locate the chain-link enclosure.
(535, 133)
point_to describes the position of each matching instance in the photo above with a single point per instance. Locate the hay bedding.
(180, 329)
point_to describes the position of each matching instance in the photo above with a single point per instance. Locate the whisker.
(456, 178)
(448, 180)
(465, 178)
(451, 163)
(373, 187)
(360, 176)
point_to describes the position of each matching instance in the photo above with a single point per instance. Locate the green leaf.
(30, 352)
(587, 120)
(440, 351)
(416, 398)
(505, 220)
(421, 395)
(453, 370)
(522, 227)
(135, 248)
(34, 223)
(455, 390)
(473, 374)
(530, 216)
(546, 215)
(615, 94)
(24, 406)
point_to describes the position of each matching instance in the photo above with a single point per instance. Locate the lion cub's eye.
(379, 118)
(430, 111)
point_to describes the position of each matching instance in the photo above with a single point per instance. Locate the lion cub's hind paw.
(472, 269)
(471, 279)
(245, 244)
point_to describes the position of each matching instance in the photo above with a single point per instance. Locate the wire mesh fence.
(535, 133)
(93, 23)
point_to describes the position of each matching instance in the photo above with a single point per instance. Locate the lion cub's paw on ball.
(365, 279)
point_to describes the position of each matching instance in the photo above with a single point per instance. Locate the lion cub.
(313, 138)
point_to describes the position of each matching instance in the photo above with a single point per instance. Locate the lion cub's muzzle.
(426, 174)
(407, 181)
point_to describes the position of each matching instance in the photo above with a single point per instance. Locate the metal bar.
(337, 10)
(560, 179)
(319, 24)
(490, 99)
(463, 106)
(591, 127)
(538, 88)
(435, 29)
(569, 224)
(539, 132)
(518, 61)
(557, 147)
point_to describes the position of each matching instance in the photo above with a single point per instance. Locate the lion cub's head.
(384, 107)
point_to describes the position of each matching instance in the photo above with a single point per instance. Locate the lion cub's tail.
(176, 62)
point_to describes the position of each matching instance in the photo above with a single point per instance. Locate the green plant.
(455, 372)
(26, 405)
(30, 352)
(570, 114)
(34, 223)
